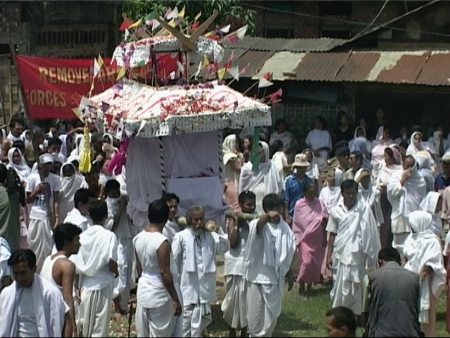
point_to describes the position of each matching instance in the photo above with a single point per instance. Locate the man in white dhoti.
(423, 253)
(171, 227)
(96, 262)
(42, 194)
(405, 192)
(119, 223)
(234, 305)
(59, 270)
(70, 183)
(195, 250)
(269, 252)
(31, 306)
(157, 298)
(353, 246)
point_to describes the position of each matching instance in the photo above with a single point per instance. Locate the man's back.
(394, 302)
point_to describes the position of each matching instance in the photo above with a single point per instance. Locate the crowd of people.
(368, 217)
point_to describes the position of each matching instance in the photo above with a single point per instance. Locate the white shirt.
(171, 228)
(285, 137)
(39, 205)
(234, 258)
(25, 315)
(77, 218)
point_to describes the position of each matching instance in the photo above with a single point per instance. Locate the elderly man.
(405, 191)
(42, 194)
(354, 240)
(194, 250)
(31, 306)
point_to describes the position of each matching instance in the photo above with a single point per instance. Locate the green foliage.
(230, 11)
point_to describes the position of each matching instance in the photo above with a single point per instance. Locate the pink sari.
(308, 228)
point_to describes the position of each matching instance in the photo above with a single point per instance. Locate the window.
(336, 34)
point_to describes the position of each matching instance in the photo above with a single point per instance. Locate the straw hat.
(301, 160)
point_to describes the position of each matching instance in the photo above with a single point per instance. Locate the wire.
(356, 23)
(373, 21)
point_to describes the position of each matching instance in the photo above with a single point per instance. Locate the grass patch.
(299, 317)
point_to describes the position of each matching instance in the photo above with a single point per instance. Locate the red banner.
(54, 87)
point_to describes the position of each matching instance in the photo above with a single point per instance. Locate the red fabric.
(54, 87)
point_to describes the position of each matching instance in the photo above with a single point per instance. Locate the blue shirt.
(440, 183)
(294, 189)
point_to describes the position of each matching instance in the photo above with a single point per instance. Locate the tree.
(231, 12)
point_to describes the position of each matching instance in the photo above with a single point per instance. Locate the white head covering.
(420, 221)
(22, 169)
(229, 148)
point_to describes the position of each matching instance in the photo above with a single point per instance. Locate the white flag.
(225, 29)
(263, 83)
(234, 72)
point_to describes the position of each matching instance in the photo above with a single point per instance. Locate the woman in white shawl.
(17, 162)
(416, 144)
(423, 252)
(70, 183)
(391, 165)
(331, 192)
(265, 181)
(232, 161)
(432, 204)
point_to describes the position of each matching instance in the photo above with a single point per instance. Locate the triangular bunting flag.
(78, 114)
(105, 106)
(221, 73)
(180, 67)
(137, 23)
(263, 83)
(126, 35)
(96, 68)
(225, 29)
(234, 72)
(199, 14)
(155, 24)
(181, 14)
(205, 61)
(276, 97)
(125, 24)
(200, 66)
(240, 33)
(172, 23)
(100, 61)
(173, 14)
(121, 74)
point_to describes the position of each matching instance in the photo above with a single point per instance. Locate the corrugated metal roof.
(252, 61)
(417, 67)
(280, 64)
(320, 66)
(288, 45)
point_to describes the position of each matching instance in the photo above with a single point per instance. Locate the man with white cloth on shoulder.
(70, 184)
(353, 246)
(195, 249)
(405, 191)
(31, 306)
(79, 215)
(423, 253)
(158, 304)
(234, 305)
(96, 262)
(42, 190)
(269, 252)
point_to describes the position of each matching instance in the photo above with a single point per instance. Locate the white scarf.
(98, 246)
(22, 169)
(267, 174)
(48, 307)
(207, 248)
(423, 248)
